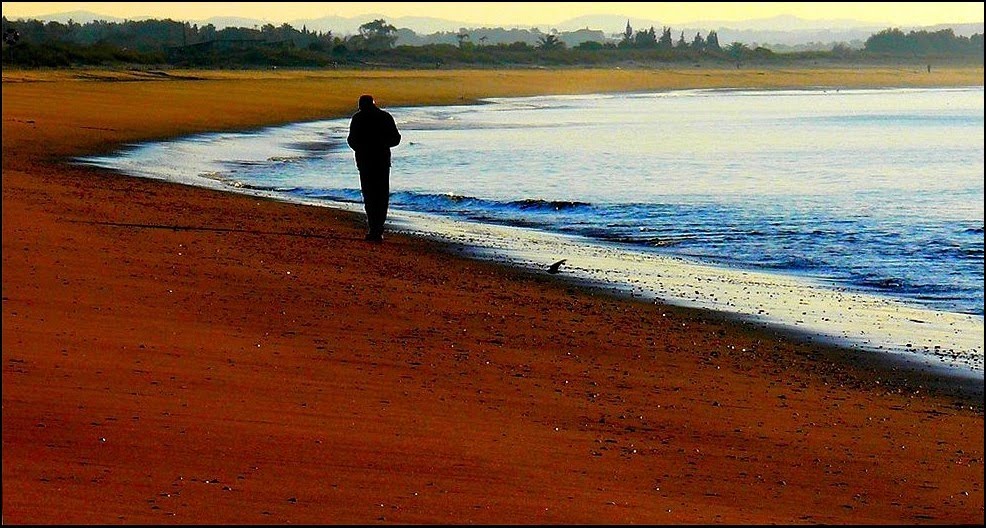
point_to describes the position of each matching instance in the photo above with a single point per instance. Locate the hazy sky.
(525, 13)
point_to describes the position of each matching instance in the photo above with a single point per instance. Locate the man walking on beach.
(372, 132)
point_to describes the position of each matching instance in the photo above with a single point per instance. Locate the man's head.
(366, 102)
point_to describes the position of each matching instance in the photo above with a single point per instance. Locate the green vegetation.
(33, 43)
(918, 43)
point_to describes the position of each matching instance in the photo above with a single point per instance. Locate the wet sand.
(180, 355)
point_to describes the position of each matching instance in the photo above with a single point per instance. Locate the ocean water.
(865, 199)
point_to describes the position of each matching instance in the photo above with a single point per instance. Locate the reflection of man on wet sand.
(372, 132)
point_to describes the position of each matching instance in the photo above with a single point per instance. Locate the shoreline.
(870, 366)
(961, 383)
(158, 375)
(862, 332)
(504, 249)
(902, 369)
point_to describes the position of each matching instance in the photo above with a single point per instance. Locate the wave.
(457, 203)
(276, 188)
(910, 119)
(884, 284)
(286, 159)
(794, 263)
(318, 147)
(334, 195)
(548, 205)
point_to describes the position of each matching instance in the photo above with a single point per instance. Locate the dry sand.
(179, 355)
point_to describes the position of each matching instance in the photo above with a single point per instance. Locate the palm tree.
(550, 42)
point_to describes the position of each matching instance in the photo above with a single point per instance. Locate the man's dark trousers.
(375, 184)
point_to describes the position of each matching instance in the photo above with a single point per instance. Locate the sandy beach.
(181, 355)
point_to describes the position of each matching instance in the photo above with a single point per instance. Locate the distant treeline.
(942, 42)
(33, 43)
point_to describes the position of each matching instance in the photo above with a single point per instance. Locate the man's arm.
(393, 136)
(354, 134)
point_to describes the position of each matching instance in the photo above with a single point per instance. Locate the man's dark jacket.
(371, 134)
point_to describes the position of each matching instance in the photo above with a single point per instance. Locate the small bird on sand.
(554, 267)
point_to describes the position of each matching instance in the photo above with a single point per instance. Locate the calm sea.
(872, 191)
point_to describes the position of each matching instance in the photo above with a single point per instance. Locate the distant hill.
(781, 23)
(784, 30)
(963, 30)
(79, 17)
(425, 25)
(336, 24)
(232, 21)
(789, 23)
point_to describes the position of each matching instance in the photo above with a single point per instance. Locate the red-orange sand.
(176, 355)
